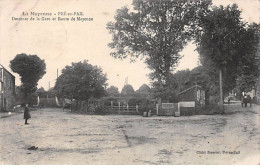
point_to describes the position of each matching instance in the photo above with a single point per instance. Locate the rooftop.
(2, 67)
(197, 86)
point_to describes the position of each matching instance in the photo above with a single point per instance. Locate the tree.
(155, 31)
(41, 92)
(112, 91)
(51, 92)
(181, 79)
(128, 91)
(245, 82)
(31, 69)
(249, 72)
(19, 96)
(81, 81)
(144, 89)
(225, 43)
(185, 79)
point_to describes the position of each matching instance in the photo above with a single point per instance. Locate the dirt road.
(66, 138)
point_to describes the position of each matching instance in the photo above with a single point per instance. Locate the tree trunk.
(167, 81)
(221, 90)
(160, 88)
(159, 100)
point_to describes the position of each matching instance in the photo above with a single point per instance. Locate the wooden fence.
(130, 110)
(123, 108)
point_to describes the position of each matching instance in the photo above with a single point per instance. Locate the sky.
(60, 43)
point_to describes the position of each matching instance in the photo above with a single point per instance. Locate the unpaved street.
(66, 138)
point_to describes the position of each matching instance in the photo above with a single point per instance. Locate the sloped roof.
(2, 67)
(197, 86)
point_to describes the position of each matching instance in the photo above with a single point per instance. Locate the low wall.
(177, 109)
(167, 109)
(186, 108)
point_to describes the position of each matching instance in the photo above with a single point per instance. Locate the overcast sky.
(60, 43)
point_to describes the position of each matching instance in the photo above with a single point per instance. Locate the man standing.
(27, 114)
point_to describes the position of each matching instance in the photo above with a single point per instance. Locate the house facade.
(7, 90)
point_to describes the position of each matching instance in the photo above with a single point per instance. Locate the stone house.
(7, 90)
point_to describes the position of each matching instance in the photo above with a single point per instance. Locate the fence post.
(111, 105)
(119, 106)
(179, 107)
(127, 107)
(157, 109)
(137, 108)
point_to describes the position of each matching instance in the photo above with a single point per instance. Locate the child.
(27, 114)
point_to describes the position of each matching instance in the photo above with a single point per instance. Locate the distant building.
(7, 90)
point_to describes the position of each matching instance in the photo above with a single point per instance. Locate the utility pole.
(221, 91)
(48, 94)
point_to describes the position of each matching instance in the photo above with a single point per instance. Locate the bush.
(144, 104)
(100, 109)
(135, 101)
(94, 106)
(107, 101)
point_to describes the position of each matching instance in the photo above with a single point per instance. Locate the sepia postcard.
(129, 82)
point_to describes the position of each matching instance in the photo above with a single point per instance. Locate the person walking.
(27, 114)
(249, 100)
(242, 101)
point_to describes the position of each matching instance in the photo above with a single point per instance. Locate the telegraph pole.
(48, 94)
(221, 91)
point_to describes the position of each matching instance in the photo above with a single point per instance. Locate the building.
(190, 103)
(191, 100)
(7, 90)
